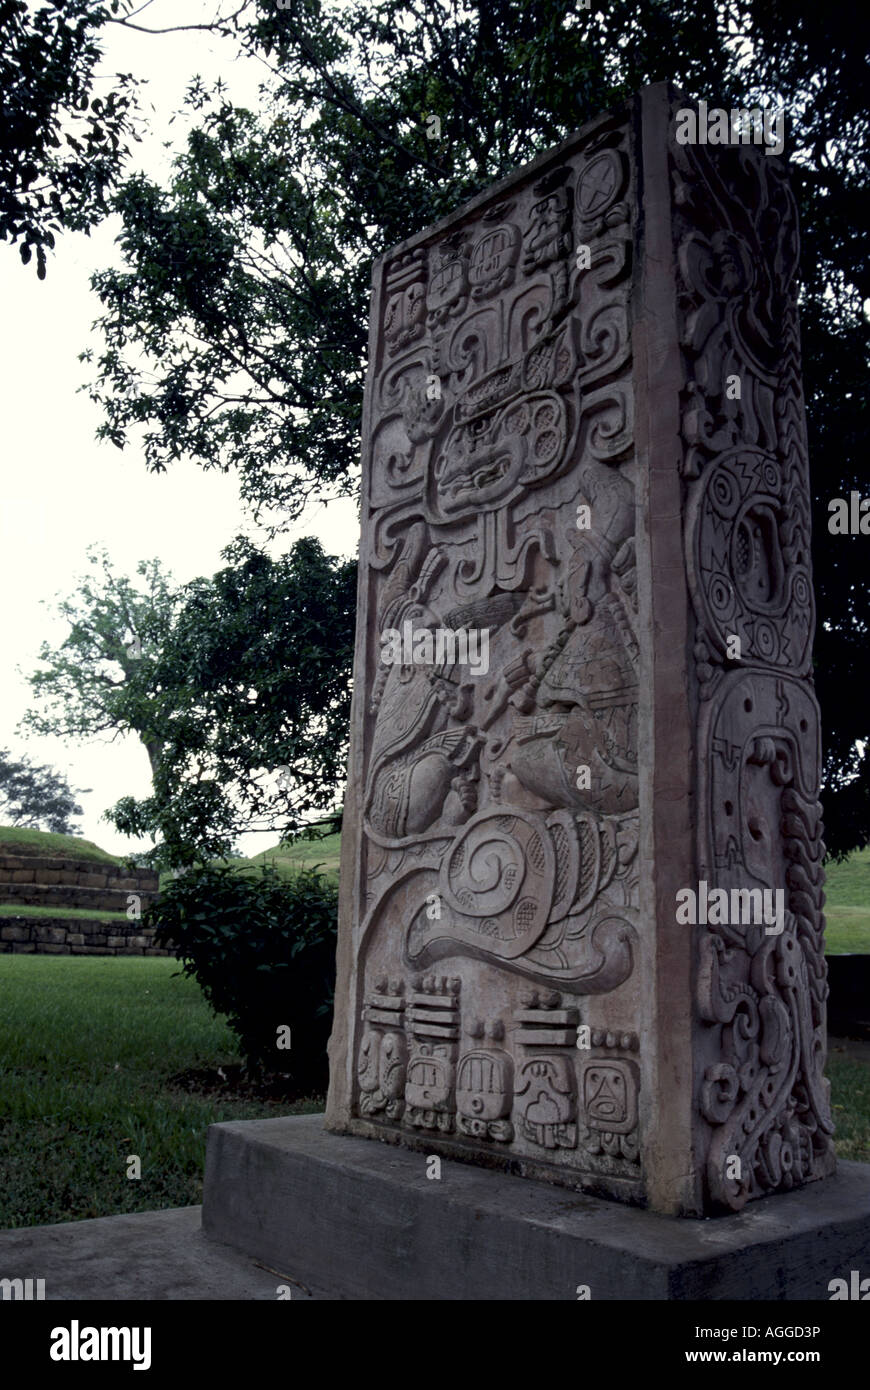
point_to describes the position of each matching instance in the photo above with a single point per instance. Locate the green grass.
(87, 1047)
(288, 859)
(847, 906)
(89, 914)
(849, 882)
(847, 930)
(850, 1099)
(15, 840)
(324, 854)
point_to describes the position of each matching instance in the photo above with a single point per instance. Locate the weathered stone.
(365, 1222)
(93, 880)
(23, 948)
(584, 449)
(15, 932)
(45, 931)
(8, 862)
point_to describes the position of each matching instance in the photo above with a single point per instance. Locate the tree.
(245, 291)
(38, 797)
(64, 139)
(238, 687)
(99, 680)
(61, 147)
(251, 692)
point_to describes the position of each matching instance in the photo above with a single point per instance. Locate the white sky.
(61, 489)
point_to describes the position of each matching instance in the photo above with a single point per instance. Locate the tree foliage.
(246, 280)
(263, 950)
(99, 680)
(62, 145)
(251, 693)
(36, 796)
(238, 687)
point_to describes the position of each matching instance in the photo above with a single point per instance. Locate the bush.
(263, 950)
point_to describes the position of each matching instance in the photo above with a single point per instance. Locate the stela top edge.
(552, 155)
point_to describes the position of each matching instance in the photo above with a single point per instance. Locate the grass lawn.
(850, 1101)
(88, 913)
(87, 1047)
(847, 906)
(309, 854)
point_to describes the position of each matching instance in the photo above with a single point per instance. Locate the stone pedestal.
(358, 1220)
(581, 920)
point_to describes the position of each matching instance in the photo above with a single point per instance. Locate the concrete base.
(143, 1255)
(363, 1220)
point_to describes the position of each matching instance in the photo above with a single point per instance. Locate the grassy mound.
(324, 854)
(86, 914)
(16, 840)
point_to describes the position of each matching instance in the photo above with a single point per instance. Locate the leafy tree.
(61, 146)
(64, 138)
(245, 292)
(251, 692)
(99, 679)
(36, 796)
(237, 686)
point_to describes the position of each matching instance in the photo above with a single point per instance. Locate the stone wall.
(31, 880)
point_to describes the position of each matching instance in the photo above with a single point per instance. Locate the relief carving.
(491, 847)
(761, 991)
(508, 820)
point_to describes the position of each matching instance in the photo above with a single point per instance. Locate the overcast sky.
(62, 489)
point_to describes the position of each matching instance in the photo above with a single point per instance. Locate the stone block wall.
(32, 880)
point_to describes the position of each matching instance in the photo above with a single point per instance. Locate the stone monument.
(581, 928)
(583, 685)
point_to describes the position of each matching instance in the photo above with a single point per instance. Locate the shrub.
(263, 950)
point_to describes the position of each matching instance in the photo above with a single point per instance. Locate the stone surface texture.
(515, 989)
(141, 1255)
(364, 1221)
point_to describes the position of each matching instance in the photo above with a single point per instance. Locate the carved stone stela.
(500, 993)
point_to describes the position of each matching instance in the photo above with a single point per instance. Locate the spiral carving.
(501, 869)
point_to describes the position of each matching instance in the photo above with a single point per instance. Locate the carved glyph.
(504, 404)
(761, 996)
